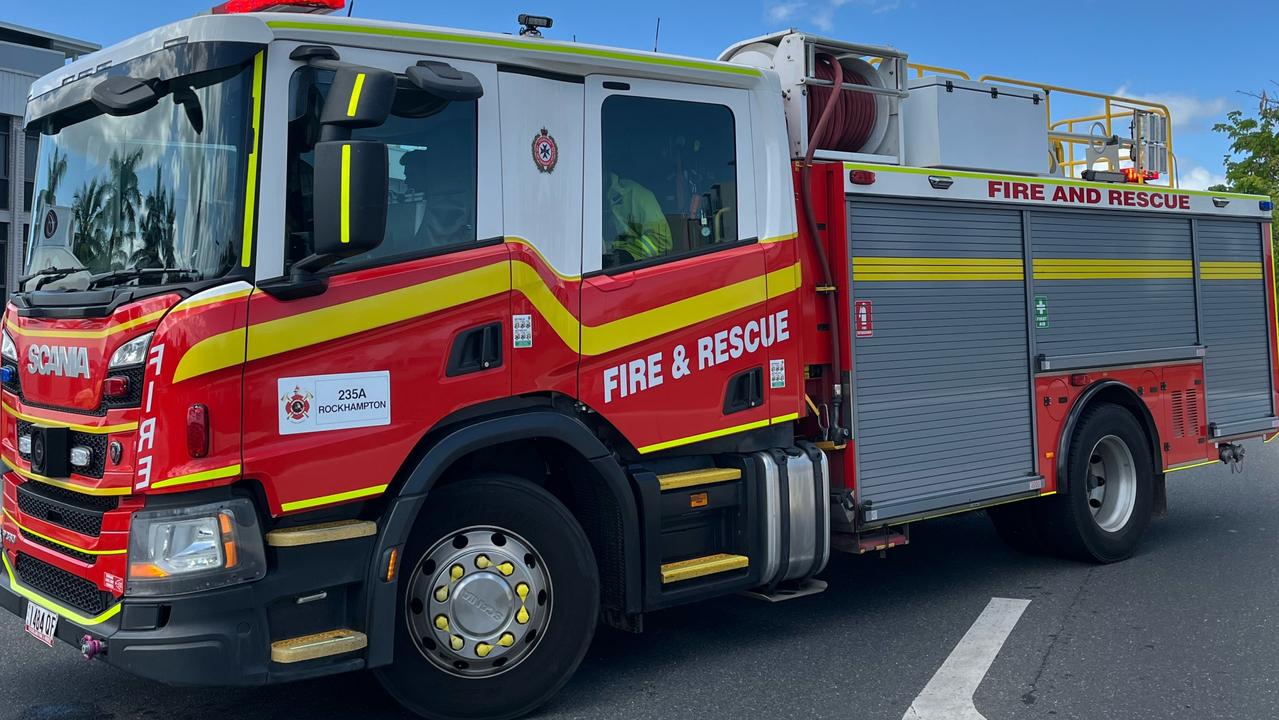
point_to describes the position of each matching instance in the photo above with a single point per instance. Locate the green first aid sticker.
(1041, 312)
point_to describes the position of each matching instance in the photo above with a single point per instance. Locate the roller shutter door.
(942, 390)
(1234, 318)
(1113, 282)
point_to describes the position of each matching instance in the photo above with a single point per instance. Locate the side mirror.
(360, 97)
(445, 81)
(351, 189)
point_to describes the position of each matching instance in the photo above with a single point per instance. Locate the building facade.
(25, 54)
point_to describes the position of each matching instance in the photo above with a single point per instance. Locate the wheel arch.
(596, 475)
(1110, 392)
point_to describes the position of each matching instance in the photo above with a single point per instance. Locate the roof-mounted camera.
(531, 25)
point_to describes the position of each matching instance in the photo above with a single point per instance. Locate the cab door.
(341, 385)
(675, 328)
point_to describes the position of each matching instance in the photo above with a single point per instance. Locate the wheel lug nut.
(522, 591)
(522, 617)
(456, 572)
(442, 593)
(507, 639)
(456, 643)
(483, 649)
(482, 562)
(442, 623)
(506, 568)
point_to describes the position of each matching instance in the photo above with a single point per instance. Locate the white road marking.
(949, 694)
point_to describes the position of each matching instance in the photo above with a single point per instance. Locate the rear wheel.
(1108, 504)
(498, 602)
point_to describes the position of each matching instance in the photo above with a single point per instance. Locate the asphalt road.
(1189, 628)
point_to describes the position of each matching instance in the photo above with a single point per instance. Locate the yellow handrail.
(1108, 115)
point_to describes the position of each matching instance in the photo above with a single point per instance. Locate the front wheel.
(1110, 498)
(498, 602)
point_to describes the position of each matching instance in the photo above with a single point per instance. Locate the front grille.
(83, 557)
(96, 443)
(65, 508)
(62, 586)
(136, 375)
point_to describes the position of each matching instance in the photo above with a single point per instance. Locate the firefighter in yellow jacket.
(634, 221)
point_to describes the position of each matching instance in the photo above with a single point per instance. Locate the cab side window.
(432, 170)
(670, 178)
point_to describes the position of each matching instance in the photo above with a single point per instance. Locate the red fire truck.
(348, 344)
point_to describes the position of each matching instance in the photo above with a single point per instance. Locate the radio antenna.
(350, 8)
(658, 34)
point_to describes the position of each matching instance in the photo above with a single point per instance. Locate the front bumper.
(223, 637)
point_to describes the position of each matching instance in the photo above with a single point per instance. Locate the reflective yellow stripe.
(1192, 466)
(907, 269)
(1046, 181)
(64, 484)
(1272, 438)
(234, 295)
(69, 546)
(354, 105)
(86, 334)
(93, 429)
(779, 238)
(716, 433)
(251, 182)
(330, 499)
(1214, 270)
(197, 477)
(516, 44)
(51, 606)
(338, 321)
(1110, 269)
(346, 193)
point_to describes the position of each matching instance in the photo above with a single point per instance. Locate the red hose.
(835, 430)
(852, 117)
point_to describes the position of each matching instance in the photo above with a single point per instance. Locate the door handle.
(475, 350)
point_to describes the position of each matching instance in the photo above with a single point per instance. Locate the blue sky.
(1193, 56)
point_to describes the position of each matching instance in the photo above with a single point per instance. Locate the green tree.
(156, 229)
(1252, 165)
(123, 205)
(57, 170)
(89, 220)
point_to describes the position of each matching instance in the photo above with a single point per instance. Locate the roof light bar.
(231, 7)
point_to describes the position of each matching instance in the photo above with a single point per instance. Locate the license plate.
(41, 623)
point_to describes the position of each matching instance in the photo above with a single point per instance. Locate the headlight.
(9, 350)
(133, 352)
(189, 549)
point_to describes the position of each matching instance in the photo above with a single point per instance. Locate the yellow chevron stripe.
(1218, 270)
(86, 334)
(326, 324)
(28, 531)
(906, 269)
(51, 606)
(64, 484)
(92, 429)
(717, 433)
(197, 477)
(1111, 269)
(335, 498)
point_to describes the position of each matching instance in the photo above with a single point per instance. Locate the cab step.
(702, 566)
(319, 645)
(321, 533)
(694, 478)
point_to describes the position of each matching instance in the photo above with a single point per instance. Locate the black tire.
(541, 520)
(1066, 520)
(1016, 525)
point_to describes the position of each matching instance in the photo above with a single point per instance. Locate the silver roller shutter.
(942, 391)
(1235, 326)
(1132, 287)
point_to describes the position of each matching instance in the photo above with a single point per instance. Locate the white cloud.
(1189, 113)
(821, 13)
(783, 12)
(1200, 178)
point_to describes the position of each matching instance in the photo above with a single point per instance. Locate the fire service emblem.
(545, 152)
(297, 405)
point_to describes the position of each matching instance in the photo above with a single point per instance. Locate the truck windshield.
(119, 200)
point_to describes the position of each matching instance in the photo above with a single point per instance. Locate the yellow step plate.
(319, 645)
(703, 566)
(693, 478)
(321, 533)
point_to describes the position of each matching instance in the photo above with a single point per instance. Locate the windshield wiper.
(117, 276)
(47, 275)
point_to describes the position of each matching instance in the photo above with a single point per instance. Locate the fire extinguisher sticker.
(864, 318)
